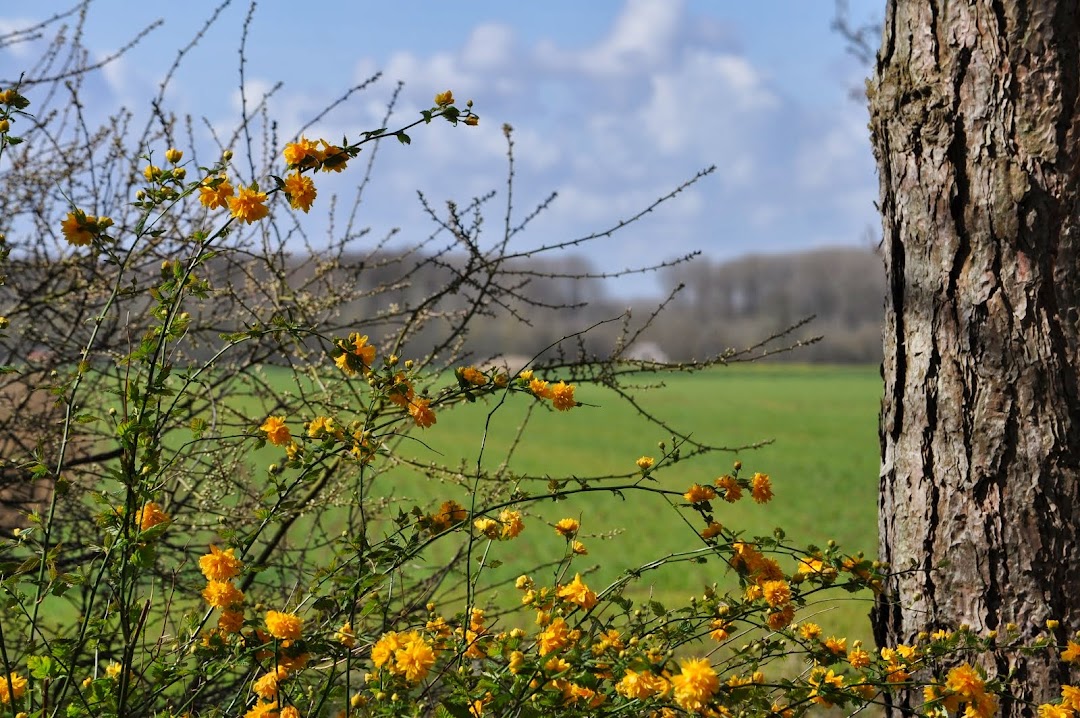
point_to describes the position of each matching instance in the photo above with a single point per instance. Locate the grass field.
(823, 462)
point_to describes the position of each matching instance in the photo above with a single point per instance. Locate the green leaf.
(42, 667)
(403, 138)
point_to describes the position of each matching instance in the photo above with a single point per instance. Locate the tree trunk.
(975, 116)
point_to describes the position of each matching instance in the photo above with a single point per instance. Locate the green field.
(823, 460)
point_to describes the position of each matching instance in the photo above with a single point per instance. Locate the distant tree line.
(721, 304)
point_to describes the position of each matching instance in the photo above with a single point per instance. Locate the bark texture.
(975, 117)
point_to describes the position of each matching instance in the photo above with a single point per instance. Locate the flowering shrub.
(195, 601)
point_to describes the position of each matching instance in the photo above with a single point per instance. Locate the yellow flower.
(720, 630)
(220, 565)
(421, 413)
(444, 99)
(300, 189)
(965, 682)
(568, 528)
(695, 685)
(732, 490)
(540, 389)
(474, 376)
(415, 658)
(401, 392)
(578, 593)
(222, 594)
(555, 665)
(697, 494)
(345, 635)
(896, 673)
(488, 527)
(150, 515)
(289, 712)
(384, 648)
(249, 205)
(562, 396)
(554, 638)
(819, 679)
(712, 530)
(152, 173)
(334, 158)
(276, 431)
(779, 619)
(357, 354)
(77, 231)
(1070, 696)
(578, 548)
(266, 686)
(263, 710)
(526, 375)
(450, 513)
(173, 155)
(231, 621)
(858, 658)
(1049, 710)
(645, 463)
(512, 525)
(472, 120)
(1071, 654)
(17, 687)
(641, 685)
(302, 153)
(777, 593)
(324, 426)
(283, 625)
(761, 488)
(809, 565)
(517, 660)
(810, 631)
(836, 645)
(214, 193)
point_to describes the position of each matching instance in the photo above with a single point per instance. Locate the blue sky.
(613, 104)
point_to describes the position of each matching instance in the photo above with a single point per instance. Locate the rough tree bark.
(975, 117)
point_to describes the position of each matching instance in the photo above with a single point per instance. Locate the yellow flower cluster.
(642, 685)
(305, 154)
(508, 526)
(409, 655)
(246, 204)
(965, 685)
(220, 568)
(561, 395)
